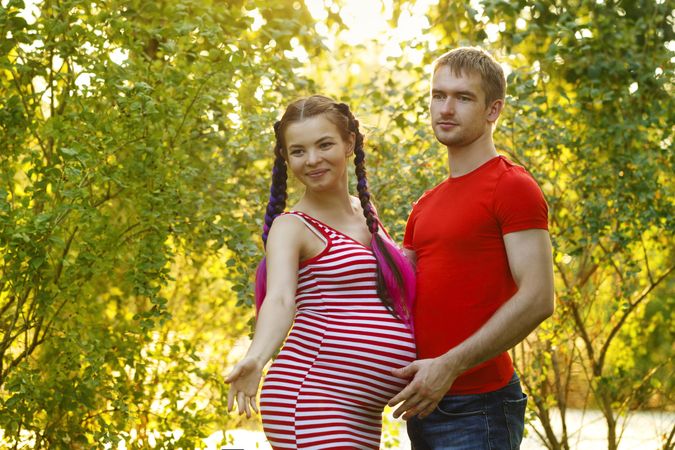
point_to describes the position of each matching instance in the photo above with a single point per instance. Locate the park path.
(587, 431)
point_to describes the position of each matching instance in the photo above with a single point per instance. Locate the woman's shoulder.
(286, 223)
(287, 234)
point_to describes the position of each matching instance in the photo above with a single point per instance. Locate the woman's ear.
(351, 143)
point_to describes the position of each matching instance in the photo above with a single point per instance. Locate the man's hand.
(431, 380)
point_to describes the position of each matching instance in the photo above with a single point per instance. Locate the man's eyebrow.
(467, 93)
(461, 92)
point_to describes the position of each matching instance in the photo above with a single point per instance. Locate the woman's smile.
(316, 173)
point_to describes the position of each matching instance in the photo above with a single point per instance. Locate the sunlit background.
(369, 28)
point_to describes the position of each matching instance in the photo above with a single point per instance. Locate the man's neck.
(462, 160)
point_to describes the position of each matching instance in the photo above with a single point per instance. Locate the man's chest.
(460, 220)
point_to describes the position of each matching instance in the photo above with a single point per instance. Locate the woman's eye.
(326, 144)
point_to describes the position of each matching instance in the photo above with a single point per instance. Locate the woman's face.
(317, 154)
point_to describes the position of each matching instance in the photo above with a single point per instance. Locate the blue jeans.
(490, 421)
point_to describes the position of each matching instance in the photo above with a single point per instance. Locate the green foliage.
(135, 146)
(131, 134)
(595, 82)
(590, 114)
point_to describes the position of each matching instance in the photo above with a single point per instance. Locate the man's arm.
(411, 255)
(531, 264)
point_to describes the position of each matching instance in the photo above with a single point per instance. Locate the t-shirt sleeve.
(519, 202)
(410, 229)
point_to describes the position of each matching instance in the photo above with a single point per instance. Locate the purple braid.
(395, 274)
(359, 163)
(278, 195)
(275, 206)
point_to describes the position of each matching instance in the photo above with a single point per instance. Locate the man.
(484, 271)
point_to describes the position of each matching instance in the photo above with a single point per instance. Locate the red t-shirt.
(456, 230)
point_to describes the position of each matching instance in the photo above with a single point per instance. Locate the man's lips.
(446, 123)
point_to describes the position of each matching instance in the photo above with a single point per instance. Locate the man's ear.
(494, 110)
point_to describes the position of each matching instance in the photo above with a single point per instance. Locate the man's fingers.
(399, 412)
(396, 400)
(405, 372)
(403, 395)
(406, 406)
(417, 410)
(415, 406)
(427, 411)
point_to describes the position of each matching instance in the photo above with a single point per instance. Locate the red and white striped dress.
(329, 384)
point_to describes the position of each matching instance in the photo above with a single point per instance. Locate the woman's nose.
(313, 157)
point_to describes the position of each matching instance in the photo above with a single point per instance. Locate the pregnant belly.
(346, 359)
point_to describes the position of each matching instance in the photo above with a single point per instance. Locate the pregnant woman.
(334, 278)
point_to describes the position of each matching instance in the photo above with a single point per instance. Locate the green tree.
(135, 156)
(131, 136)
(590, 113)
(592, 117)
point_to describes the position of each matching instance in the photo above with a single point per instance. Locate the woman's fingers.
(230, 398)
(246, 407)
(233, 375)
(241, 401)
(254, 406)
(245, 403)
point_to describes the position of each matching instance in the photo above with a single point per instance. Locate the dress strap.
(312, 224)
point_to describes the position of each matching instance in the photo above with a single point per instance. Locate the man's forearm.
(509, 325)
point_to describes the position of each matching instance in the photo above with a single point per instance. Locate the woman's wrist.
(259, 360)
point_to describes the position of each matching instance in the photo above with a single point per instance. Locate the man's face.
(457, 106)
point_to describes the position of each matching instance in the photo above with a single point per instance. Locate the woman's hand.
(244, 379)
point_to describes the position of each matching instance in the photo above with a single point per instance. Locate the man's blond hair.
(468, 60)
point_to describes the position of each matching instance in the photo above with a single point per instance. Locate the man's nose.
(448, 106)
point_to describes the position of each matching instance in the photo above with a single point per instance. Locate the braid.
(359, 163)
(278, 195)
(395, 276)
(275, 206)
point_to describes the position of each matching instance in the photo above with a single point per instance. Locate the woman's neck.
(326, 204)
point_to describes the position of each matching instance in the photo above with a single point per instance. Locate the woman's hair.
(395, 274)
